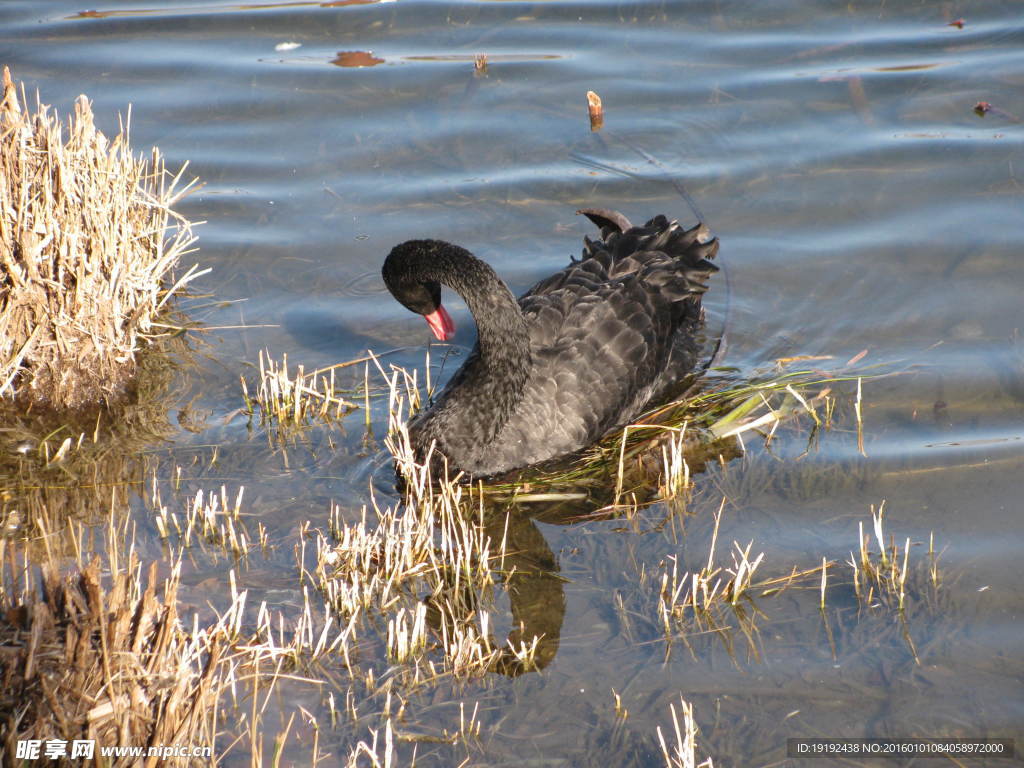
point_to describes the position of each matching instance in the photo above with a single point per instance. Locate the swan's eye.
(421, 298)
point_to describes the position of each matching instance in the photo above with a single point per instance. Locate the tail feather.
(633, 249)
(605, 218)
(661, 253)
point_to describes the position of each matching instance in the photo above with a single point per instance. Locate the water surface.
(861, 203)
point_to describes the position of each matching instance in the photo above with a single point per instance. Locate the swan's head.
(405, 276)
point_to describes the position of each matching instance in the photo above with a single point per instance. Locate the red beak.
(441, 324)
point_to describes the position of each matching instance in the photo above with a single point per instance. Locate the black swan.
(580, 353)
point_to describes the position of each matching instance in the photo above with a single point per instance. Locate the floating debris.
(596, 110)
(356, 59)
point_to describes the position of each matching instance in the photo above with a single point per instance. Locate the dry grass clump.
(712, 599)
(109, 662)
(83, 254)
(385, 568)
(880, 578)
(285, 399)
(718, 600)
(713, 424)
(98, 654)
(713, 584)
(213, 519)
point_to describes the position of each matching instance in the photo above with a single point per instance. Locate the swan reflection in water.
(532, 578)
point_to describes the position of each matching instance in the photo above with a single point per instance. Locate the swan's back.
(609, 335)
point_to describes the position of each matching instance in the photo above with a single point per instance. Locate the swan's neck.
(481, 397)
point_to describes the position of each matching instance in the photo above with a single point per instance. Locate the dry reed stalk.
(369, 751)
(295, 400)
(84, 253)
(675, 472)
(684, 752)
(881, 579)
(214, 519)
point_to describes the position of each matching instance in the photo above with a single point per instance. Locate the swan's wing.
(595, 362)
(630, 251)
